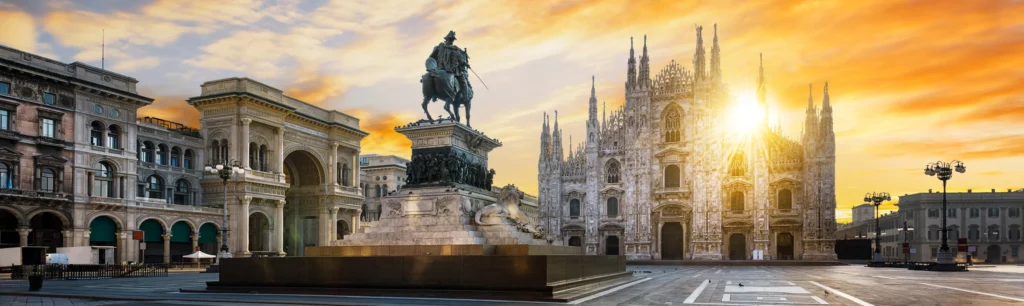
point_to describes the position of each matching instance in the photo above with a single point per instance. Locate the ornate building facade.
(71, 159)
(380, 174)
(662, 177)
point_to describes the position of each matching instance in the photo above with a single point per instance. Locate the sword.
(478, 78)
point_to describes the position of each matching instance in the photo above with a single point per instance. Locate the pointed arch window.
(785, 199)
(613, 207)
(738, 166)
(673, 130)
(612, 172)
(672, 176)
(736, 202)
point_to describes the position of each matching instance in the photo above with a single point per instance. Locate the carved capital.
(24, 231)
(246, 200)
(279, 204)
(166, 236)
(246, 121)
(334, 210)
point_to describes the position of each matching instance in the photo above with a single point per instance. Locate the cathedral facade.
(664, 177)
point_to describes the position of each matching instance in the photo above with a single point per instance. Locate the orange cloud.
(383, 139)
(19, 29)
(172, 109)
(316, 89)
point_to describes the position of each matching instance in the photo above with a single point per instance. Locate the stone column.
(167, 248)
(280, 150)
(243, 227)
(69, 237)
(333, 228)
(233, 145)
(333, 166)
(356, 220)
(278, 244)
(23, 236)
(355, 169)
(195, 245)
(245, 143)
(122, 247)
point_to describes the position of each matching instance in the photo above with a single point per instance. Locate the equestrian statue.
(446, 78)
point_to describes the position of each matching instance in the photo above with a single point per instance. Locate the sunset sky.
(911, 82)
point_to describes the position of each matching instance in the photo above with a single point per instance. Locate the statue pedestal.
(447, 185)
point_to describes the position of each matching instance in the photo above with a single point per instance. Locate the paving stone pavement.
(653, 285)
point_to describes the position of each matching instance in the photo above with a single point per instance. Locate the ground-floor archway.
(785, 246)
(152, 241)
(992, 254)
(9, 229)
(672, 241)
(305, 204)
(575, 241)
(103, 232)
(611, 245)
(208, 238)
(181, 242)
(342, 229)
(47, 230)
(738, 247)
(259, 232)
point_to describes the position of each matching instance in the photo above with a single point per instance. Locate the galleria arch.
(303, 175)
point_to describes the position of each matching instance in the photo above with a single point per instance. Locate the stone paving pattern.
(656, 285)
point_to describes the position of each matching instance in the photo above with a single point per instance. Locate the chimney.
(929, 191)
(968, 191)
(993, 190)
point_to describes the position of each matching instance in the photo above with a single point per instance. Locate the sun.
(745, 115)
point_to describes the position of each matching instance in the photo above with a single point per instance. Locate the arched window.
(175, 157)
(47, 180)
(254, 156)
(182, 192)
(154, 187)
(574, 208)
(188, 159)
(103, 185)
(337, 173)
(672, 176)
(378, 191)
(672, 131)
(993, 232)
(114, 137)
(161, 154)
(613, 207)
(738, 167)
(96, 134)
(612, 171)
(385, 189)
(736, 204)
(147, 151)
(263, 158)
(224, 150)
(785, 199)
(215, 152)
(7, 174)
(346, 175)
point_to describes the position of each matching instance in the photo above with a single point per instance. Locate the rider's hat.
(451, 35)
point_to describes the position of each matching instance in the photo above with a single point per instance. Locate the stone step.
(405, 229)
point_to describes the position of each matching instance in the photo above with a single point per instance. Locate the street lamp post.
(225, 172)
(877, 199)
(944, 171)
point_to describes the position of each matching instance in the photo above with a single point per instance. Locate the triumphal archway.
(301, 167)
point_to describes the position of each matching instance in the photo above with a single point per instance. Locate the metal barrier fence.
(88, 271)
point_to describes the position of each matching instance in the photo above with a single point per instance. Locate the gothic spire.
(545, 139)
(556, 146)
(631, 71)
(716, 61)
(698, 58)
(762, 90)
(826, 115)
(593, 100)
(644, 79)
(810, 97)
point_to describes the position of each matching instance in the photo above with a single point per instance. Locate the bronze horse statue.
(442, 85)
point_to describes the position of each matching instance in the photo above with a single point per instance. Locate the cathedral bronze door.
(737, 247)
(672, 241)
(785, 246)
(611, 245)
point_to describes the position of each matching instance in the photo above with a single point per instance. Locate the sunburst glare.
(745, 115)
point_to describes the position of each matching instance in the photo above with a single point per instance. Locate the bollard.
(35, 282)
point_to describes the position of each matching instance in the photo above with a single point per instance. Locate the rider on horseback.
(447, 68)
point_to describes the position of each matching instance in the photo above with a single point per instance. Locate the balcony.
(12, 135)
(49, 141)
(785, 212)
(33, 194)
